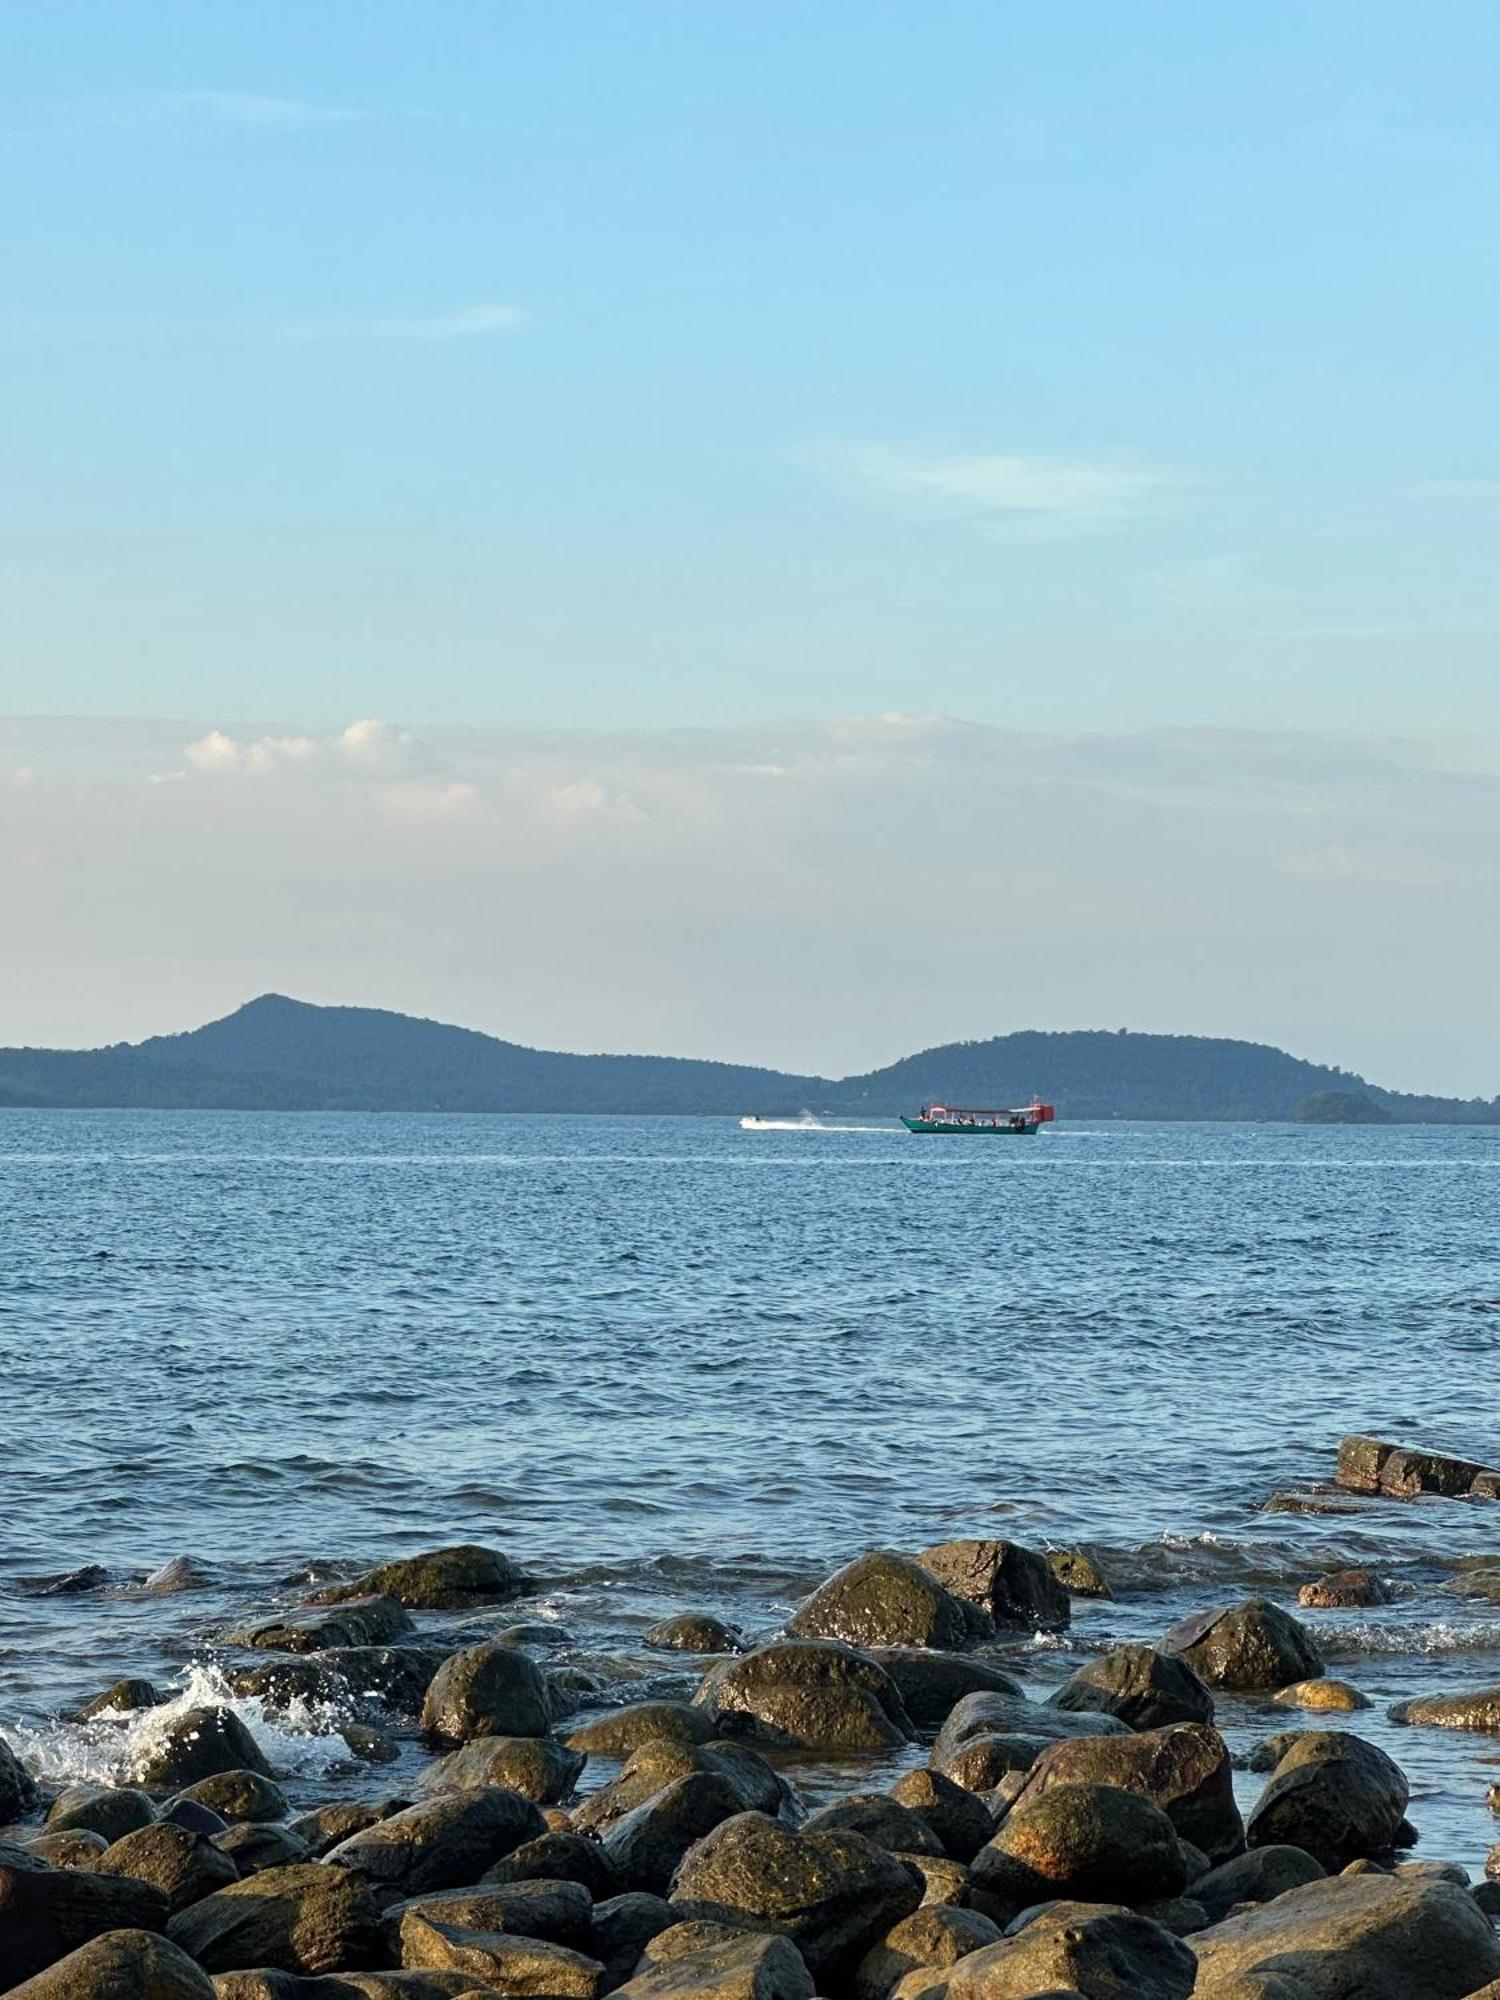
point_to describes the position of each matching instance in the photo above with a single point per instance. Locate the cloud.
(257, 110)
(378, 747)
(217, 753)
(1485, 491)
(473, 322)
(1007, 493)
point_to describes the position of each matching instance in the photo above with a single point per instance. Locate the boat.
(805, 1121)
(1024, 1123)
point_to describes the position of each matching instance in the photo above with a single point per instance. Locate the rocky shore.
(868, 1803)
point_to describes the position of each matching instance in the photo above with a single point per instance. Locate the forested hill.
(280, 1054)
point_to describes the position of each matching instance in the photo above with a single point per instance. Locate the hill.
(285, 1055)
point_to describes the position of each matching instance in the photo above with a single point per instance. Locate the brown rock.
(46, 1913)
(197, 1744)
(486, 1691)
(306, 1918)
(1185, 1770)
(1087, 1843)
(936, 1937)
(538, 1767)
(808, 1694)
(124, 1965)
(359, 1621)
(461, 1578)
(444, 1843)
(883, 1599)
(1250, 1645)
(1010, 1584)
(183, 1865)
(1344, 1590)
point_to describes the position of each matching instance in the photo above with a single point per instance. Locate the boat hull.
(947, 1128)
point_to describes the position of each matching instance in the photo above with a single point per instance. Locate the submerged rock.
(124, 1698)
(1011, 1585)
(359, 1621)
(1344, 1590)
(1144, 1688)
(1253, 1645)
(453, 1579)
(694, 1632)
(1371, 1465)
(1478, 1710)
(884, 1599)
(808, 1694)
(1326, 1694)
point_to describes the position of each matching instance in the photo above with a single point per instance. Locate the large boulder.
(649, 1842)
(1254, 1645)
(1333, 1795)
(961, 1822)
(930, 1682)
(1144, 1688)
(748, 1966)
(45, 1913)
(932, 1938)
(514, 1966)
(1012, 1715)
(558, 1912)
(808, 1694)
(1010, 1585)
(558, 1856)
(1184, 1769)
(883, 1599)
(1478, 1710)
(833, 1894)
(538, 1767)
(1357, 1937)
(444, 1843)
(124, 1965)
(17, 1789)
(306, 1918)
(880, 1818)
(455, 1579)
(1257, 1876)
(1085, 1843)
(1068, 1949)
(195, 1745)
(362, 1621)
(653, 1767)
(184, 1865)
(486, 1691)
(624, 1927)
(623, 1730)
(113, 1810)
(237, 1796)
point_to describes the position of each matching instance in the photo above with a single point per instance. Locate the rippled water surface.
(666, 1363)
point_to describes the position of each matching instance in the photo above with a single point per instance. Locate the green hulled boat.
(948, 1119)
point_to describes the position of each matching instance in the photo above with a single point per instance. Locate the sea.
(669, 1364)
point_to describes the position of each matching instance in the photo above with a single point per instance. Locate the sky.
(770, 484)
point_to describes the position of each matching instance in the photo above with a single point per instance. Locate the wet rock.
(1078, 1573)
(347, 1985)
(444, 1843)
(833, 1894)
(1007, 1715)
(1344, 1590)
(325, 1826)
(1011, 1585)
(961, 1823)
(361, 1621)
(45, 1913)
(808, 1694)
(1374, 1936)
(558, 1912)
(1478, 1710)
(743, 1967)
(697, 1934)
(75, 1583)
(76, 1847)
(386, 1678)
(1143, 1688)
(1333, 1795)
(538, 1767)
(462, 1578)
(533, 1632)
(1083, 1842)
(126, 1697)
(254, 1847)
(1250, 1645)
(1325, 1694)
(238, 1795)
(306, 1918)
(560, 1857)
(623, 1730)
(931, 1682)
(883, 1599)
(111, 1810)
(624, 1927)
(125, 1965)
(183, 1865)
(1098, 1950)
(934, 1938)
(658, 1764)
(983, 1763)
(649, 1842)
(1257, 1876)
(880, 1818)
(197, 1744)
(1268, 1753)
(515, 1966)
(1372, 1465)
(486, 1691)
(172, 1578)
(694, 1632)
(1184, 1770)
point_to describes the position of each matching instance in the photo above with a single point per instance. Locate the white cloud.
(246, 107)
(480, 321)
(421, 803)
(215, 752)
(1006, 492)
(218, 753)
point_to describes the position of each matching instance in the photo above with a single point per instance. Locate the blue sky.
(642, 364)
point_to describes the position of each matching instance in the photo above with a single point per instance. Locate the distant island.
(276, 1054)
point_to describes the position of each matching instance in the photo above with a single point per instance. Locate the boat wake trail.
(805, 1125)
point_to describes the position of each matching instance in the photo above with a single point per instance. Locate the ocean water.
(669, 1364)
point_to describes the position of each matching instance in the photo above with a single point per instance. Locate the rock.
(560, 1857)
(960, 1822)
(1251, 1645)
(658, 1764)
(623, 1730)
(538, 1767)
(270, 1985)
(515, 1966)
(1011, 1585)
(1258, 1876)
(1357, 1937)
(253, 1847)
(833, 1894)
(444, 1843)
(1144, 1688)
(1325, 1694)
(945, 1883)
(1078, 1573)
(195, 1745)
(750, 1966)
(361, 1621)
(883, 1599)
(394, 1678)
(195, 1816)
(486, 1691)
(1184, 1770)
(808, 1694)
(1479, 1711)
(985, 1763)
(1333, 1795)
(181, 1864)
(1370, 1465)
(694, 1632)
(126, 1697)
(1344, 1590)
(124, 1965)
(1098, 1950)
(174, 1577)
(880, 1818)
(649, 1842)
(75, 1847)
(930, 1682)
(238, 1795)
(1268, 1753)
(111, 1810)
(1006, 1715)
(457, 1579)
(558, 1912)
(370, 1746)
(325, 1826)
(533, 1632)
(1080, 1842)
(934, 1938)
(624, 1927)
(697, 1934)
(306, 1918)
(45, 1913)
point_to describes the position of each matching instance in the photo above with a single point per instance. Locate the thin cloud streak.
(482, 321)
(1006, 493)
